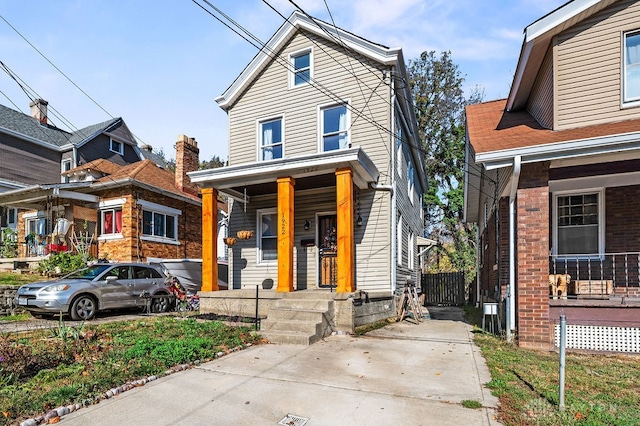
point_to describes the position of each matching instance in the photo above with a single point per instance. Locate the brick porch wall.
(534, 328)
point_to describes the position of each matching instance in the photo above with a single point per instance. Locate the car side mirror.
(111, 278)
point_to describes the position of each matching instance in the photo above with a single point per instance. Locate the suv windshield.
(88, 273)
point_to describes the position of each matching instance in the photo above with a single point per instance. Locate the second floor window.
(631, 67)
(117, 147)
(410, 180)
(301, 68)
(271, 139)
(334, 128)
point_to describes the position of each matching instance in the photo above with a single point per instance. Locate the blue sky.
(160, 64)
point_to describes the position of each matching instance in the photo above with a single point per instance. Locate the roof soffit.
(537, 40)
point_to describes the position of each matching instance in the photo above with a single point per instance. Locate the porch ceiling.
(310, 171)
(32, 197)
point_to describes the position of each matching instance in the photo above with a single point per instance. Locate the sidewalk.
(403, 374)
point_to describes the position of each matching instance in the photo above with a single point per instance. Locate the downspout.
(511, 288)
(478, 260)
(394, 167)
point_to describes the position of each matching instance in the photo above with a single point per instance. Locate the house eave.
(297, 21)
(561, 150)
(222, 178)
(34, 141)
(537, 38)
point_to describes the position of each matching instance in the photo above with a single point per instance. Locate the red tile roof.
(147, 172)
(101, 165)
(491, 129)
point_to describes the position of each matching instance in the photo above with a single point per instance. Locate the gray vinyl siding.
(28, 163)
(270, 96)
(371, 240)
(99, 148)
(540, 104)
(589, 61)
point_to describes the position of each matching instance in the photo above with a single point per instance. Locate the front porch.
(303, 317)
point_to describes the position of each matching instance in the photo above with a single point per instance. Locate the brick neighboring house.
(553, 181)
(132, 211)
(32, 142)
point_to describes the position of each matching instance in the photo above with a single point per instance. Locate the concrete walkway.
(403, 374)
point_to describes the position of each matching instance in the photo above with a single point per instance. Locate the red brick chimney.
(187, 160)
(39, 110)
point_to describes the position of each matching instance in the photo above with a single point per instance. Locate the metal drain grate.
(293, 420)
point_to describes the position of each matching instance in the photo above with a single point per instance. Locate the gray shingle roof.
(28, 126)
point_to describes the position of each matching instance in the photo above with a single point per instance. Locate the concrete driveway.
(403, 374)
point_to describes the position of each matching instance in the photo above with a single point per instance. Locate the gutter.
(511, 288)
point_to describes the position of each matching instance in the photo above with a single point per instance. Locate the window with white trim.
(271, 142)
(334, 124)
(399, 136)
(410, 249)
(117, 147)
(631, 64)
(301, 67)
(111, 221)
(12, 215)
(268, 240)
(410, 180)
(578, 223)
(159, 225)
(65, 166)
(399, 240)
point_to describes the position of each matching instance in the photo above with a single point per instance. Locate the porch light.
(307, 225)
(359, 220)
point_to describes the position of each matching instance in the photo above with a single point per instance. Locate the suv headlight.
(55, 288)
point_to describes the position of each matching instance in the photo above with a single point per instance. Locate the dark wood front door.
(328, 248)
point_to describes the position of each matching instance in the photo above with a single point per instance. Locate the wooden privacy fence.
(446, 288)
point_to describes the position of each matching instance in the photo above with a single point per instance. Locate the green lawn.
(600, 389)
(44, 369)
(11, 278)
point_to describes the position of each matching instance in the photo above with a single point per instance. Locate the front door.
(328, 249)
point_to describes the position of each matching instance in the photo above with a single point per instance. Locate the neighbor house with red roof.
(553, 182)
(121, 212)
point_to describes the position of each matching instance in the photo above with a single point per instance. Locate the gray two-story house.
(325, 172)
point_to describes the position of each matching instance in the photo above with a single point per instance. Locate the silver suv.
(98, 287)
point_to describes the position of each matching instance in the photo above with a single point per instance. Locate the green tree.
(436, 86)
(214, 163)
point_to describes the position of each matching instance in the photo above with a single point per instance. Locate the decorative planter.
(230, 241)
(244, 235)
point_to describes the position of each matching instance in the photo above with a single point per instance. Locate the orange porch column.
(346, 242)
(209, 239)
(285, 234)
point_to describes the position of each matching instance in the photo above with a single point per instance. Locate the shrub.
(63, 262)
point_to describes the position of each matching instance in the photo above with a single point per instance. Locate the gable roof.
(100, 165)
(28, 128)
(537, 39)
(497, 136)
(296, 22)
(147, 173)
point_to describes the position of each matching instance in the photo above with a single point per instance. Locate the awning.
(32, 197)
(310, 171)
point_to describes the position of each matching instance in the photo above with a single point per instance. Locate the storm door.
(328, 250)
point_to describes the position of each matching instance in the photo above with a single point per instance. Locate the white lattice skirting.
(601, 338)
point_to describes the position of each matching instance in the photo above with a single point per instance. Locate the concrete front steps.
(300, 318)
